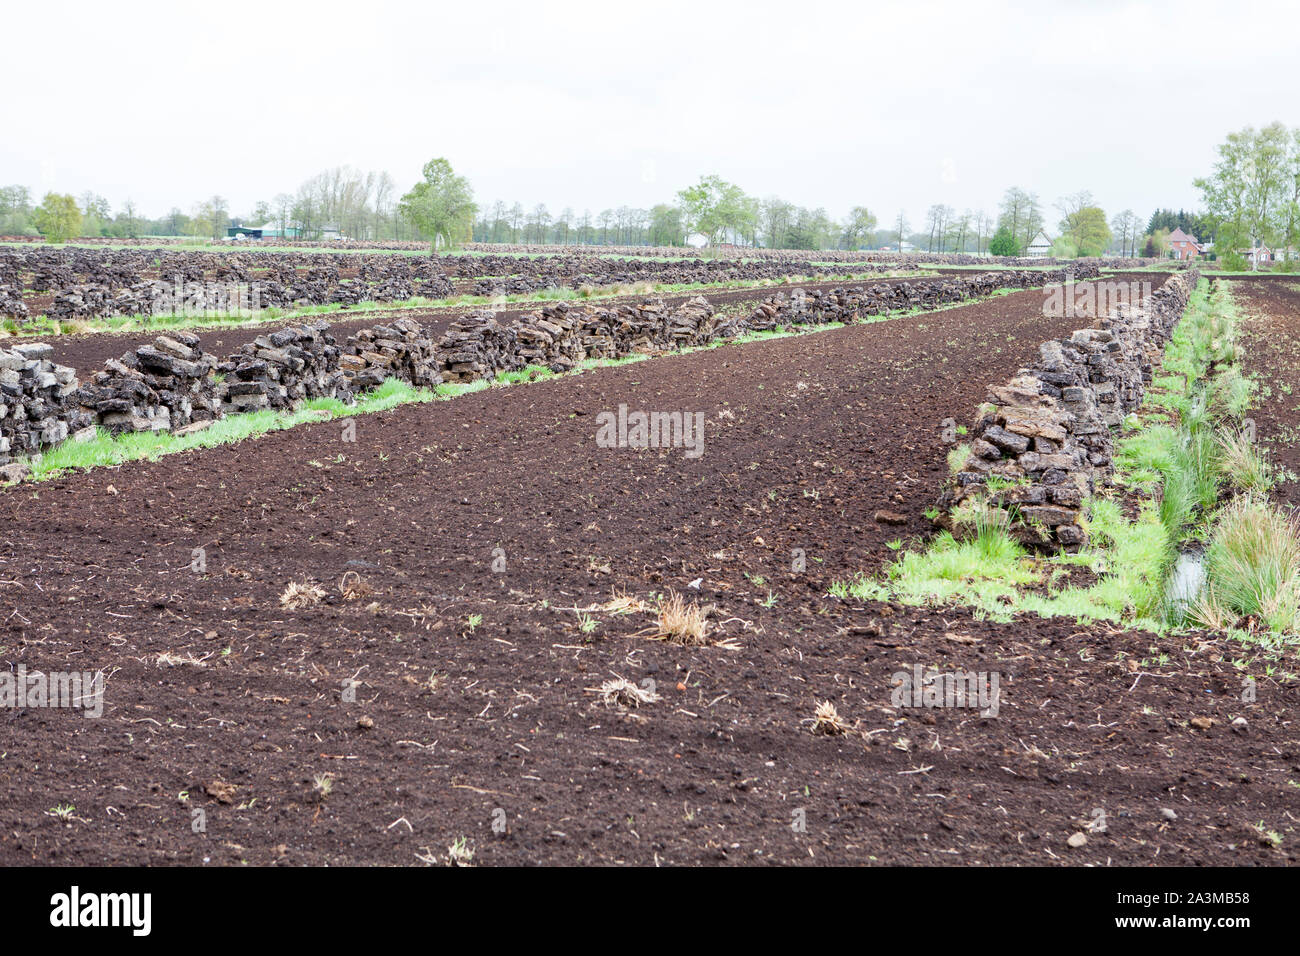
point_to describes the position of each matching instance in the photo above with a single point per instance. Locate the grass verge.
(1185, 450)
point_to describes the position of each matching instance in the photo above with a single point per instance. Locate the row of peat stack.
(1044, 440)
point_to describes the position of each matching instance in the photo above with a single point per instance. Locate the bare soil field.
(1272, 306)
(443, 684)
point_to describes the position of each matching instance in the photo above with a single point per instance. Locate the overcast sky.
(593, 106)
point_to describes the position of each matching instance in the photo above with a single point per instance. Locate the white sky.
(593, 106)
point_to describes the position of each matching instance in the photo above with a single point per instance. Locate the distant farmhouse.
(268, 230)
(1039, 246)
(1183, 246)
(1262, 254)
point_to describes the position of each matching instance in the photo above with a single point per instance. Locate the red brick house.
(1183, 246)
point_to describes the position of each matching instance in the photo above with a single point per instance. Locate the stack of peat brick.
(1047, 434)
(648, 327)
(396, 289)
(349, 293)
(402, 349)
(11, 302)
(160, 387)
(434, 287)
(560, 336)
(144, 298)
(691, 323)
(477, 347)
(36, 405)
(802, 307)
(82, 301)
(282, 369)
(552, 338)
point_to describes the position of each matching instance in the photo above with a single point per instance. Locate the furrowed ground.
(477, 698)
(1272, 307)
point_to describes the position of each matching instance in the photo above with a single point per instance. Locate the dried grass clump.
(299, 595)
(623, 604)
(1243, 463)
(173, 659)
(353, 588)
(1252, 569)
(622, 692)
(682, 623)
(827, 720)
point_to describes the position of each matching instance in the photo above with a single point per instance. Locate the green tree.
(95, 214)
(57, 218)
(1004, 242)
(714, 207)
(1289, 211)
(900, 229)
(1160, 242)
(775, 216)
(441, 205)
(15, 211)
(811, 229)
(1087, 230)
(1247, 194)
(1064, 248)
(858, 227)
(1022, 215)
(666, 226)
(1124, 227)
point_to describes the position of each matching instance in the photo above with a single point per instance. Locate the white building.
(1039, 246)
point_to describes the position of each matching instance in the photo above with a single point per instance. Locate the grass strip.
(1182, 449)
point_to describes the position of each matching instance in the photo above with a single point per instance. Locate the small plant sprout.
(473, 621)
(459, 853)
(1267, 836)
(958, 457)
(323, 784)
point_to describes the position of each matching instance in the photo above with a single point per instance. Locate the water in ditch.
(1186, 581)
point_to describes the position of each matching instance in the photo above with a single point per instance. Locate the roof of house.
(1179, 236)
(1042, 235)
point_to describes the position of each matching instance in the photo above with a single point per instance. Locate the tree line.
(440, 208)
(718, 210)
(351, 202)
